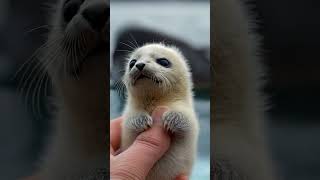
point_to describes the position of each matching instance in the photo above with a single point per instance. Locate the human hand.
(135, 162)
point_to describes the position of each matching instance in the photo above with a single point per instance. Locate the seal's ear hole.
(164, 62)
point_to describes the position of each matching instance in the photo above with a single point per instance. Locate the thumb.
(148, 147)
(182, 177)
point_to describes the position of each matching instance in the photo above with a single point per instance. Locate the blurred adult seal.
(75, 57)
(239, 147)
(158, 75)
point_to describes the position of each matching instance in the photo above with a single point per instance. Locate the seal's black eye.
(132, 62)
(164, 62)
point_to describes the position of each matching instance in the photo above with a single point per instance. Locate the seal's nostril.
(140, 66)
(70, 9)
(96, 15)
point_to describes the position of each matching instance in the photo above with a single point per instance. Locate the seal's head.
(78, 33)
(157, 69)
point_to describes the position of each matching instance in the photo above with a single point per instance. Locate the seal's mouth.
(142, 76)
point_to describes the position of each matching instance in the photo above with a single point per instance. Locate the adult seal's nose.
(140, 66)
(96, 15)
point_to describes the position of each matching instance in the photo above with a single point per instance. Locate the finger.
(182, 177)
(148, 147)
(115, 134)
(157, 114)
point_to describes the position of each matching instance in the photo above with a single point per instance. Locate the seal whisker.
(36, 81)
(131, 43)
(46, 27)
(127, 45)
(28, 63)
(122, 50)
(25, 77)
(137, 45)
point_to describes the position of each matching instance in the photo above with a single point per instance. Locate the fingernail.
(157, 114)
(181, 177)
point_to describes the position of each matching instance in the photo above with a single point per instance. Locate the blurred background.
(290, 30)
(22, 135)
(291, 47)
(183, 24)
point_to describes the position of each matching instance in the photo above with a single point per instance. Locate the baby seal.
(158, 75)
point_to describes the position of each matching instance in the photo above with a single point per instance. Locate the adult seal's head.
(75, 57)
(78, 34)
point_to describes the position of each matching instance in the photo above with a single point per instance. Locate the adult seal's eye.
(132, 62)
(164, 62)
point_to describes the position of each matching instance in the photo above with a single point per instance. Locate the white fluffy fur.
(176, 94)
(238, 119)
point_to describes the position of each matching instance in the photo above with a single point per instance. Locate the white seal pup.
(75, 57)
(158, 75)
(239, 148)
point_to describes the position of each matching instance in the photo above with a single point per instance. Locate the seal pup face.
(156, 68)
(78, 34)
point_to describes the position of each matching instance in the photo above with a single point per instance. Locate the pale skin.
(135, 162)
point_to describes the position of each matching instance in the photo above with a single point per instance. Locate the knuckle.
(125, 173)
(149, 142)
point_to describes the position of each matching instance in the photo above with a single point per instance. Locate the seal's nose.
(140, 66)
(70, 9)
(96, 15)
